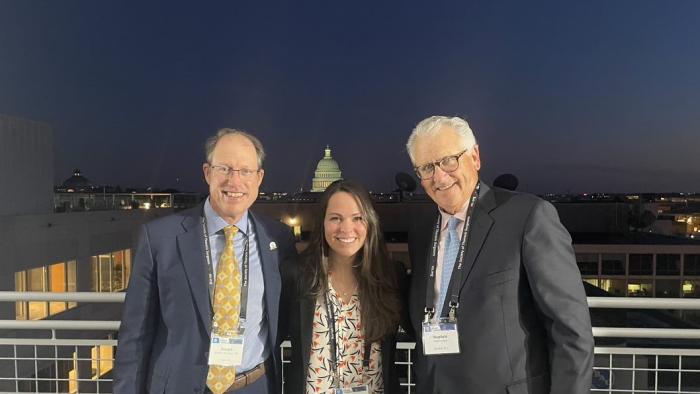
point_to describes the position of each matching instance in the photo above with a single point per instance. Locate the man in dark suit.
(497, 301)
(165, 339)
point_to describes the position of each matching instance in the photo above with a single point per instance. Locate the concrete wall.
(26, 166)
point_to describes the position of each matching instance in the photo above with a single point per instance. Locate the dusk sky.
(570, 96)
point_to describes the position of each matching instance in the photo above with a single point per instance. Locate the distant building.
(77, 183)
(26, 166)
(327, 172)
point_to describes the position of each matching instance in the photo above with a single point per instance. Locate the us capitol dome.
(327, 172)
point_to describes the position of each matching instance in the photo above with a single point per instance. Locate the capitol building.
(327, 172)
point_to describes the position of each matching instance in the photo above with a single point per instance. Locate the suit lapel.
(191, 247)
(271, 275)
(481, 225)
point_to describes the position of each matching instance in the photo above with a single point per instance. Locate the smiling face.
(344, 227)
(230, 195)
(449, 190)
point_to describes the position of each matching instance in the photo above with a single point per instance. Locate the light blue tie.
(448, 262)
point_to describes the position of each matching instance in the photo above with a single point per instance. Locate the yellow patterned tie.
(227, 301)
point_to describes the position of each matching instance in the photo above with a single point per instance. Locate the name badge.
(226, 351)
(353, 390)
(440, 338)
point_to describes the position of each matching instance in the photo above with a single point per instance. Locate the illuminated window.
(57, 284)
(639, 288)
(21, 285)
(613, 286)
(102, 360)
(110, 271)
(71, 280)
(36, 281)
(73, 375)
(57, 278)
(691, 288)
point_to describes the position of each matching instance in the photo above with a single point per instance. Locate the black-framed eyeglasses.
(226, 171)
(447, 164)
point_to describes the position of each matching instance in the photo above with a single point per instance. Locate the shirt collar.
(216, 223)
(461, 215)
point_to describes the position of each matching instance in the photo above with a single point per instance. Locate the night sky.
(571, 96)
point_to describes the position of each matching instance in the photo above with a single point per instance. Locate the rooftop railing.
(58, 356)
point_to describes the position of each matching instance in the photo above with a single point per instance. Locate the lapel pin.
(273, 245)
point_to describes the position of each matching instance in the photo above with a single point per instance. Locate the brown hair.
(378, 288)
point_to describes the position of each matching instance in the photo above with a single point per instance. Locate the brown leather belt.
(249, 377)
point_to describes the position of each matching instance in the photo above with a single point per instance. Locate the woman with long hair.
(344, 301)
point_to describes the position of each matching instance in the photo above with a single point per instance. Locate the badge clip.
(429, 313)
(453, 311)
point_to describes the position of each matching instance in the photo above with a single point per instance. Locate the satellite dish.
(506, 181)
(405, 182)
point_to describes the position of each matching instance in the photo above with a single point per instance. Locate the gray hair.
(211, 142)
(432, 125)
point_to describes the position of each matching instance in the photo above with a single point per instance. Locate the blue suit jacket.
(166, 321)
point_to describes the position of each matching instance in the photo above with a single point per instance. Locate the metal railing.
(34, 359)
(41, 364)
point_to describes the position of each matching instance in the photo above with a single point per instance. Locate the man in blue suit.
(165, 335)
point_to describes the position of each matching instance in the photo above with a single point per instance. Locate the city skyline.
(570, 97)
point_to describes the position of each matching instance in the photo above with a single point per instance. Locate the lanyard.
(244, 275)
(331, 319)
(457, 273)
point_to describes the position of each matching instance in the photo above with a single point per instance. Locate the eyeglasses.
(226, 171)
(447, 164)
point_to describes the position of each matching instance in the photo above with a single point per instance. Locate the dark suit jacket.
(523, 320)
(166, 322)
(297, 321)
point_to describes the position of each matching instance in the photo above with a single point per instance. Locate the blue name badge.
(440, 338)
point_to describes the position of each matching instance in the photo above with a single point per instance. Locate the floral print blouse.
(350, 345)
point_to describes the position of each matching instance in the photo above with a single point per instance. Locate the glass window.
(668, 288)
(36, 281)
(639, 288)
(668, 264)
(21, 285)
(95, 273)
(587, 263)
(71, 280)
(641, 264)
(691, 265)
(591, 281)
(691, 288)
(57, 284)
(111, 271)
(102, 360)
(118, 271)
(105, 272)
(614, 286)
(613, 264)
